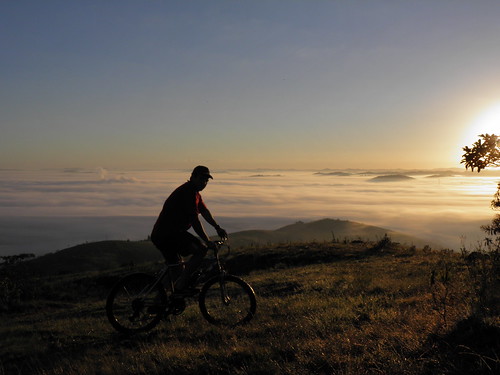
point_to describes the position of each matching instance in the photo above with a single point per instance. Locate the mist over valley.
(49, 210)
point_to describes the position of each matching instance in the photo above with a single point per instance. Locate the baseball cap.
(201, 170)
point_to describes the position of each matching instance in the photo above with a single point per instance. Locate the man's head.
(200, 177)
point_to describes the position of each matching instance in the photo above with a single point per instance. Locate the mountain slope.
(93, 256)
(321, 230)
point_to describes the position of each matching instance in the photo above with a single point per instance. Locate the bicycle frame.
(222, 273)
(139, 301)
(167, 269)
(160, 275)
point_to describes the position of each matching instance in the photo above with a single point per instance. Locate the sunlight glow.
(488, 122)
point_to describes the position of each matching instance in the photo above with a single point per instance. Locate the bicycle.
(139, 301)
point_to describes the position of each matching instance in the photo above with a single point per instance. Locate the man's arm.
(198, 228)
(207, 215)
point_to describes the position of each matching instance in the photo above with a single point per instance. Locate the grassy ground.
(323, 308)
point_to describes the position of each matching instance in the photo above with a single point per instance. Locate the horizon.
(50, 210)
(459, 169)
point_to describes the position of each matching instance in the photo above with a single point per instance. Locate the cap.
(201, 170)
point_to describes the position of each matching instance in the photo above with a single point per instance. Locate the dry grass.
(350, 311)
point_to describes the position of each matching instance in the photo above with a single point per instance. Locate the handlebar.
(218, 244)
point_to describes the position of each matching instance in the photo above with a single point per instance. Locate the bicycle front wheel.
(134, 305)
(227, 301)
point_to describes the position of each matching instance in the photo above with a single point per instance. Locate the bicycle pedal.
(176, 306)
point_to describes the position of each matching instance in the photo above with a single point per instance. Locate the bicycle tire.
(228, 301)
(130, 310)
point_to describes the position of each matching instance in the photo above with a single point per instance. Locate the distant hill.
(336, 173)
(98, 256)
(92, 256)
(391, 178)
(321, 230)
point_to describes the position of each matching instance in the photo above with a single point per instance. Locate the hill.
(98, 256)
(322, 230)
(322, 308)
(93, 256)
(391, 178)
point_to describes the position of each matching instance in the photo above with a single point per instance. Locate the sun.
(488, 122)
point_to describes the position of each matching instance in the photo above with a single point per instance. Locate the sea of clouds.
(47, 210)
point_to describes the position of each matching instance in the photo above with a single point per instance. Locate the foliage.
(11, 284)
(13, 259)
(483, 267)
(484, 264)
(494, 228)
(441, 282)
(383, 244)
(10, 293)
(484, 153)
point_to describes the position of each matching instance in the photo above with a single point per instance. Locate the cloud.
(105, 176)
(437, 209)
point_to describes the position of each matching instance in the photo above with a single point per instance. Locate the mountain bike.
(139, 301)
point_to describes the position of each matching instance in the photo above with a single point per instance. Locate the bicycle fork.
(225, 298)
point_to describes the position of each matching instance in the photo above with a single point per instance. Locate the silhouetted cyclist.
(180, 212)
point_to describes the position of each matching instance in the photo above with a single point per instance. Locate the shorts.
(173, 247)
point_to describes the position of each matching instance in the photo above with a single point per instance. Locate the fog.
(45, 211)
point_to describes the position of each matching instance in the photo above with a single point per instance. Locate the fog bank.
(44, 211)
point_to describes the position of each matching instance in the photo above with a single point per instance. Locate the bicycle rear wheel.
(133, 305)
(227, 301)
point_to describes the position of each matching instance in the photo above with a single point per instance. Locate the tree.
(13, 259)
(485, 153)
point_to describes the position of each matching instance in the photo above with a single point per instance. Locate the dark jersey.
(177, 211)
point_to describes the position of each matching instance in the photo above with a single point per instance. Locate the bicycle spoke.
(227, 302)
(133, 305)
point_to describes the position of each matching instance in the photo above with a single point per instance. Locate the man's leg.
(171, 257)
(198, 250)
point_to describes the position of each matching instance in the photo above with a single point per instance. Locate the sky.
(246, 84)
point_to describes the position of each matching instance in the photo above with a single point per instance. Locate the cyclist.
(181, 212)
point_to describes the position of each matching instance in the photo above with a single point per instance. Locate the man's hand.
(221, 232)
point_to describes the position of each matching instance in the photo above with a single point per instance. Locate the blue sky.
(246, 84)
